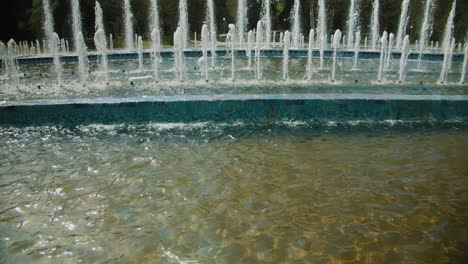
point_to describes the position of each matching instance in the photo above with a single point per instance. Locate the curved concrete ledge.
(231, 108)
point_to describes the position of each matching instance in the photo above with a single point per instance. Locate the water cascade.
(405, 51)
(140, 53)
(383, 49)
(374, 25)
(128, 17)
(56, 57)
(266, 18)
(296, 24)
(426, 28)
(81, 50)
(310, 66)
(448, 52)
(179, 59)
(183, 22)
(241, 22)
(448, 33)
(391, 43)
(353, 22)
(336, 46)
(156, 48)
(100, 42)
(76, 18)
(403, 23)
(357, 45)
(259, 41)
(250, 40)
(231, 40)
(205, 44)
(465, 62)
(48, 24)
(286, 45)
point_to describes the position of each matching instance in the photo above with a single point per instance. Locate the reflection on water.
(98, 195)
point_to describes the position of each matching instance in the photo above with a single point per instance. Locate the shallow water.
(175, 193)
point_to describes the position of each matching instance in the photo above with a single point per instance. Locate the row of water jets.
(252, 42)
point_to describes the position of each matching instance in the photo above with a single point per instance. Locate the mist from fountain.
(156, 49)
(310, 65)
(383, 52)
(374, 25)
(258, 45)
(266, 18)
(403, 23)
(205, 42)
(241, 20)
(465, 62)
(426, 28)
(286, 46)
(352, 22)
(336, 46)
(183, 23)
(128, 18)
(448, 32)
(357, 46)
(101, 47)
(48, 24)
(296, 24)
(405, 52)
(81, 51)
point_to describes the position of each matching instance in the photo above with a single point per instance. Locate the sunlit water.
(181, 193)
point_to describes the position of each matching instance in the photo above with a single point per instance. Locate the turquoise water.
(235, 193)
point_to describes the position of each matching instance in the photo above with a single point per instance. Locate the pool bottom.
(208, 192)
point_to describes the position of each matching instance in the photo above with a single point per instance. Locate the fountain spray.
(405, 52)
(296, 24)
(403, 23)
(336, 46)
(286, 45)
(310, 66)
(375, 24)
(383, 49)
(128, 17)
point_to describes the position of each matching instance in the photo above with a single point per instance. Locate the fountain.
(56, 57)
(426, 29)
(448, 32)
(383, 49)
(336, 45)
(266, 18)
(76, 18)
(310, 65)
(231, 40)
(259, 42)
(322, 25)
(296, 24)
(286, 45)
(11, 65)
(183, 22)
(211, 21)
(179, 58)
(140, 53)
(374, 25)
(81, 50)
(250, 41)
(241, 20)
(128, 17)
(405, 52)
(391, 42)
(205, 44)
(101, 46)
(99, 17)
(465, 62)
(353, 22)
(448, 53)
(111, 42)
(48, 24)
(403, 23)
(357, 45)
(156, 48)
(154, 21)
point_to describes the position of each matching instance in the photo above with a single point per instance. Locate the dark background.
(22, 19)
